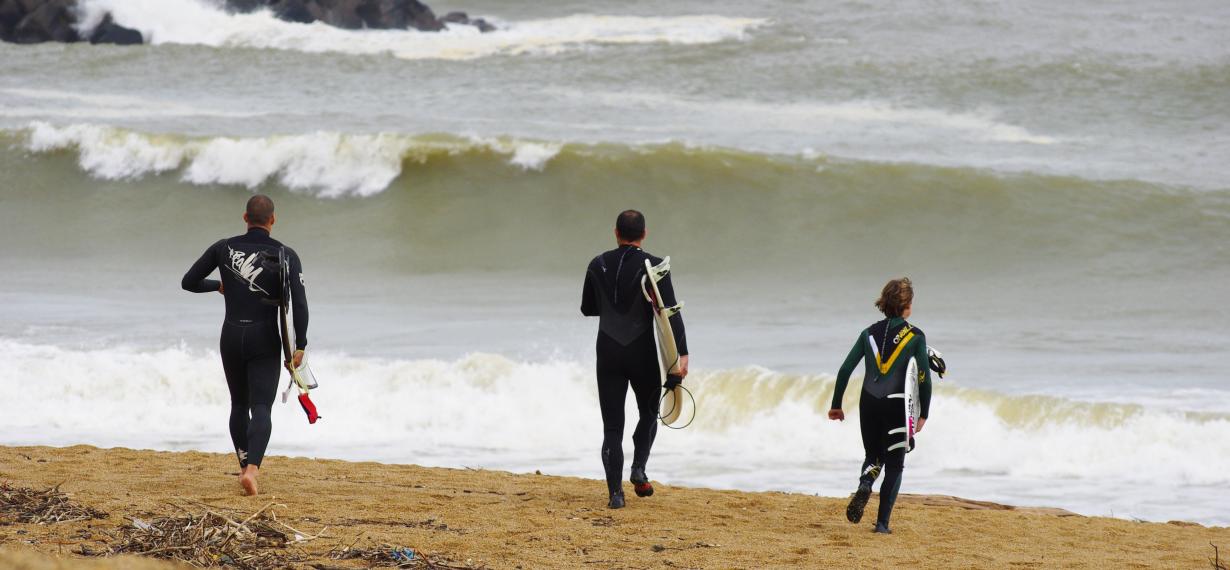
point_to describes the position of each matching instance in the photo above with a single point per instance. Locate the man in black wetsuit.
(627, 352)
(885, 349)
(251, 343)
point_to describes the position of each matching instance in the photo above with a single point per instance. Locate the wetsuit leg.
(870, 422)
(262, 359)
(250, 359)
(888, 491)
(612, 391)
(263, 373)
(236, 370)
(892, 418)
(642, 368)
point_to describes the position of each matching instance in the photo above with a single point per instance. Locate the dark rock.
(28, 6)
(246, 6)
(399, 15)
(422, 18)
(52, 21)
(464, 19)
(337, 13)
(379, 15)
(109, 32)
(355, 14)
(11, 12)
(293, 11)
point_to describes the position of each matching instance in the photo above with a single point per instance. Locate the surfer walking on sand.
(251, 344)
(885, 347)
(627, 352)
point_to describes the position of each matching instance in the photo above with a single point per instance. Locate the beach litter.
(48, 506)
(209, 537)
(389, 556)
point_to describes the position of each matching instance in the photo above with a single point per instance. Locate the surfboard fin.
(672, 311)
(661, 270)
(935, 360)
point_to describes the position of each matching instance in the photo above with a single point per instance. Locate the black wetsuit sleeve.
(195, 279)
(298, 299)
(668, 300)
(924, 385)
(590, 306)
(847, 368)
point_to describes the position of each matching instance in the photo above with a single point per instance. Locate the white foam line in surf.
(46, 103)
(198, 22)
(325, 163)
(891, 121)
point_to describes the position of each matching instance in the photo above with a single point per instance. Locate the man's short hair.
(260, 210)
(630, 225)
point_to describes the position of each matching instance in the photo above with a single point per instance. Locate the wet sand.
(501, 520)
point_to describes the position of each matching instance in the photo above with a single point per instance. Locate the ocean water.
(1051, 175)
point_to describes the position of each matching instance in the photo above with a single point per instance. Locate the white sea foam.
(527, 155)
(109, 153)
(844, 120)
(325, 163)
(200, 22)
(755, 429)
(39, 103)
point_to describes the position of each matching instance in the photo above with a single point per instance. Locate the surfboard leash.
(690, 397)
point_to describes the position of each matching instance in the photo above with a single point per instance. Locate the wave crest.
(329, 164)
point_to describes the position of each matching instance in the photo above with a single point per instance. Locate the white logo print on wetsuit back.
(243, 265)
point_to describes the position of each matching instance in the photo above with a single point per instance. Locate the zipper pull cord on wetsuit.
(620, 268)
(884, 341)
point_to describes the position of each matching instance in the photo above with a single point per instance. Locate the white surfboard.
(912, 407)
(664, 337)
(301, 378)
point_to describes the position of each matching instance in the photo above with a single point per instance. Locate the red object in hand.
(308, 408)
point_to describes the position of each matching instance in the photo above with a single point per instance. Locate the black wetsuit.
(626, 351)
(885, 348)
(251, 344)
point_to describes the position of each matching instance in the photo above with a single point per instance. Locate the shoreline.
(494, 519)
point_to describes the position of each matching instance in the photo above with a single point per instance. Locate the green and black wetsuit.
(885, 348)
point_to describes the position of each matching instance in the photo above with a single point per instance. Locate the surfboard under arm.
(667, 349)
(910, 405)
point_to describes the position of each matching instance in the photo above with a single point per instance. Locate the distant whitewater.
(198, 22)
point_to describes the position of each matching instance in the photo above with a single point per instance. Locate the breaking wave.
(494, 411)
(330, 164)
(453, 189)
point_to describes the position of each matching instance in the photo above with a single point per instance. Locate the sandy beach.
(477, 518)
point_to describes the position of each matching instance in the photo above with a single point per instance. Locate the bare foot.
(248, 480)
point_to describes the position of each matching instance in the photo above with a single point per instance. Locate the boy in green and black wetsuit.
(885, 348)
